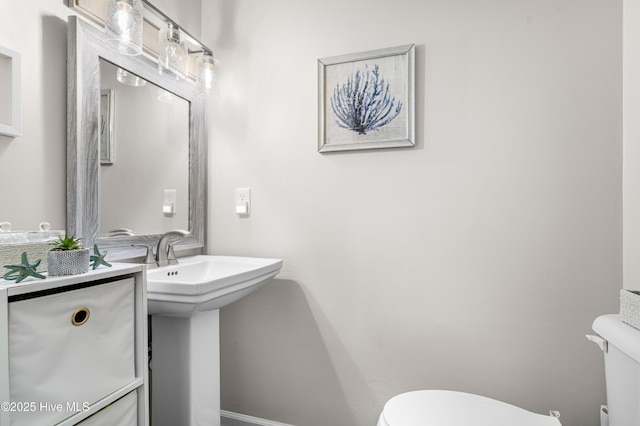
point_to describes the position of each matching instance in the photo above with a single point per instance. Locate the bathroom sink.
(204, 283)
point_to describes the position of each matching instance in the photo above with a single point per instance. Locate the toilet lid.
(449, 408)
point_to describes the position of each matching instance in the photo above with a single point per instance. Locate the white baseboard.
(250, 419)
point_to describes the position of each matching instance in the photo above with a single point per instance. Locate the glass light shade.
(204, 76)
(172, 52)
(130, 79)
(123, 26)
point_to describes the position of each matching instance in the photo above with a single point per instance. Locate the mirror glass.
(144, 152)
(124, 153)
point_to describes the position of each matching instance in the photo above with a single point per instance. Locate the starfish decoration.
(97, 258)
(22, 271)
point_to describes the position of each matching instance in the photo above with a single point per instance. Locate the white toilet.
(621, 345)
(619, 341)
(449, 408)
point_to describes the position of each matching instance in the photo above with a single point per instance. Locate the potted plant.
(67, 257)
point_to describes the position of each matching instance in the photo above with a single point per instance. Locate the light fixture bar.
(157, 18)
(94, 10)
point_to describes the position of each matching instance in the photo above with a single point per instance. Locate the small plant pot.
(68, 262)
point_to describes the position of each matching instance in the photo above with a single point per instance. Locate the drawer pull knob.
(80, 316)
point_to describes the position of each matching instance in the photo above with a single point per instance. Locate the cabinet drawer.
(70, 349)
(123, 412)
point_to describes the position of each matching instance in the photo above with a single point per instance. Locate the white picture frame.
(10, 82)
(107, 126)
(366, 100)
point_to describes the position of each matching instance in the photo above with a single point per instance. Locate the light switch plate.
(169, 203)
(243, 201)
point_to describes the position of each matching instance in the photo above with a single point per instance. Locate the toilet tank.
(622, 369)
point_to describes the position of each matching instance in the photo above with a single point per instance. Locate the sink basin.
(204, 283)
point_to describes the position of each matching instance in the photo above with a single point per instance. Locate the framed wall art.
(11, 89)
(367, 100)
(107, 115)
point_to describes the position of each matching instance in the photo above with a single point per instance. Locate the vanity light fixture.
(172, 51)
(130, 79)
(123, 26)
(204, 76)
(177, 52)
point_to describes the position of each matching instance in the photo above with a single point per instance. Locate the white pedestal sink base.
(184, 301)
(185, 383)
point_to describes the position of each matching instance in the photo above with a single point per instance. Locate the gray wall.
(476, 261)
(33, 166)
(631, 138)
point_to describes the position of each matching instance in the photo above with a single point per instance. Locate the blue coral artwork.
(367, 100)
(363, 104)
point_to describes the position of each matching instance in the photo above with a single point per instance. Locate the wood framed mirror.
(86, 52)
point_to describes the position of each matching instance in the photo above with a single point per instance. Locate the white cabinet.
(122, 412)
(74, 349)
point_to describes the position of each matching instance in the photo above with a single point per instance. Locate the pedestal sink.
(184, 301)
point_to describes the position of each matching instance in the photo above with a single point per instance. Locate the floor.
(225, 421)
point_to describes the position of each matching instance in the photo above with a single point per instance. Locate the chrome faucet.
(162, 251)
